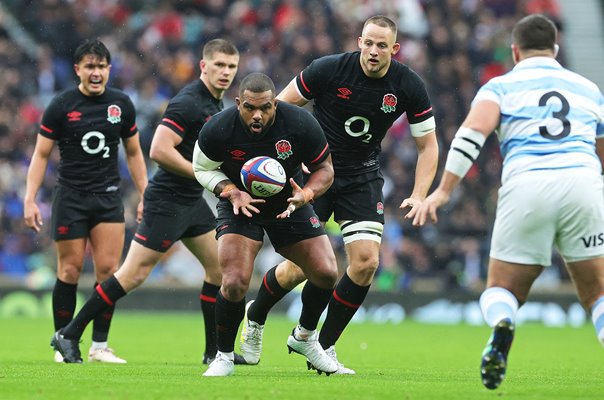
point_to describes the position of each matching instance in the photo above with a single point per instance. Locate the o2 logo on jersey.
(363, 132)
(114, 114)
(95, 137)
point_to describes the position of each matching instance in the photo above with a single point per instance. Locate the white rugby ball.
(263, 176)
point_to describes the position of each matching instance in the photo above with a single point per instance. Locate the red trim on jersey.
(346, 303)
(304, 84)
(46, 129)
(320, 155)
(209, 299)
(423, 112)
(180, 128)
(141, 237)
(133, 128)
(102, 293)
(266, 286)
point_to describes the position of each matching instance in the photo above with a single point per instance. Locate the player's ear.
(202, 66)
(556, 50)
(237, 101)
(395, 48)
(360, 42)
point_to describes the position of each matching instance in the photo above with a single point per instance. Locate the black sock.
(63, 303)
(314, 301)
(104, 295)
(101, 323)
(228, 317)
(269, 293)
(207, 298)
(346, 300)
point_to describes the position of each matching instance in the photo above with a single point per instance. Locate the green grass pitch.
(405, 361)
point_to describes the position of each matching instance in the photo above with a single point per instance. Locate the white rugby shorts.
(537, 210)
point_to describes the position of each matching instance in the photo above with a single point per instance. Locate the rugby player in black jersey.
(258, 126)
(87, 122)
(174, 206)
(357, 97)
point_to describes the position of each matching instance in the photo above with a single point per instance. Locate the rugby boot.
(495, 355)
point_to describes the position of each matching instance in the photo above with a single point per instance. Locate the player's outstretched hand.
(32, 216)
(242, 201)
(413, 204)
(429, 207)
(300, 197)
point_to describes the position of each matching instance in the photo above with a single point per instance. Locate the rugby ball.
(263, 176)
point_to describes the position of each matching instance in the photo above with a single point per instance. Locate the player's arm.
(137, 168)
(425, 168)
(292, 95)
(600, 149)
(163, 151)
(35, 176)
(480, 122)
(208, 174)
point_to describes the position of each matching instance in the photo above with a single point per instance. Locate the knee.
(364, 266)
(234, 286)
(69, 273)
(104, 271)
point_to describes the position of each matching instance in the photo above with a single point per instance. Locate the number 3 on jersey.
(560, 114)
(100, 146)
(366, 136)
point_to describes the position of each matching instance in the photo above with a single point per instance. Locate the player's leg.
(588, 277)
(508, 286)
(359, 209)
(276, 283)
(136, 268)
(69, 226)
(317, 260)
(205, 248)
(524, 231)
(106, 243)
(585, 257)
(236, 255)
(70, 261)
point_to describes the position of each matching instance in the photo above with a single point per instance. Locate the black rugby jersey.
(88, 131)
(295, 137)
(186, 114)
(356, 111)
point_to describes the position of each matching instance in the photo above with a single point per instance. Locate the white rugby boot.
(342, 370)
(105, 355)
(313, 351)
(223, 365)
(251, 339)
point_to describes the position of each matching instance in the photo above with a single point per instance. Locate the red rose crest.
(314, 221)
(114, 114)
(284, 149)
(389, 103)
(380, 208)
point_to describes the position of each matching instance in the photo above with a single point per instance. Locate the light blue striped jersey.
(550, 117)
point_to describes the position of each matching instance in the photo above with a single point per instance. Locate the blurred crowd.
(455, 45)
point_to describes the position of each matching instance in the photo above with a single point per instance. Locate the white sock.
(597, 317)
(98, 345)
(497, 303)
(302, 333)
(230, 355)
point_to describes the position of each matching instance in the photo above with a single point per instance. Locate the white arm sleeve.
(206, 171)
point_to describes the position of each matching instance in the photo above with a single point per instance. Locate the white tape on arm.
(423, 128)
(464, 150)
(206, 171)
